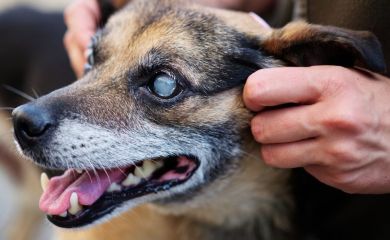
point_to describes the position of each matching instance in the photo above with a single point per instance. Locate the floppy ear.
(302, 44)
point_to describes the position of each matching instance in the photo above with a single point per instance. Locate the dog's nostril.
(33, 128)
(30, 122)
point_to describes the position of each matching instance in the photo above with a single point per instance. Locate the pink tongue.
(88, 186)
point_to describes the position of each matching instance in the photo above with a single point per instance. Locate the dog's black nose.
(31, 122)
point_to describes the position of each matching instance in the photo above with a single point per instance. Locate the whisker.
(95, 172)
(36, 95)
(7, 108)
(120, 169)
(138, 168)
(108, 176)
(89, 176)
(85, 167)
(98, 177)
(18, 92)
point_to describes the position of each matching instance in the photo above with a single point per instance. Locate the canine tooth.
(64, 214)
(131, 180)
(114, 187)
(44, 181)
(75, 206)
(146, 170)
(79, 171)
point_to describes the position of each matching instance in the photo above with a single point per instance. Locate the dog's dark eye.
(164, 86)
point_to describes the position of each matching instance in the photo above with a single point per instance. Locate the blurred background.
(32, 62)
(55, 5)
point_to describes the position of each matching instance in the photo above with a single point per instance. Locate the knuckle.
(347, 119)
(68, 12)
(253, 87)
(258, 130)
(343, 154)
(268, 156)
(72, 9)
(67, 40)
(336, 80)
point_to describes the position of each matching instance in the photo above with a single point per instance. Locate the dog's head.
(159, 115)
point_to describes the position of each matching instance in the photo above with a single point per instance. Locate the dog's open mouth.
(80, 197)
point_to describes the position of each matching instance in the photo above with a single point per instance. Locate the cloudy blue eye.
(164, 86)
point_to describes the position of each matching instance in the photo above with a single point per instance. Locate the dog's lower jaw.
(252, 203)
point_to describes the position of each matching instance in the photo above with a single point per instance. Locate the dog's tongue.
(89, 186)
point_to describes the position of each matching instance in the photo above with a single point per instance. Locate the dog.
(158, 125)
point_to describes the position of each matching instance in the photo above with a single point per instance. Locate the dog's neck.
(253, 200)
(252, 203)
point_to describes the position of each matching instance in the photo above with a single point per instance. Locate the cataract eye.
(164, 86)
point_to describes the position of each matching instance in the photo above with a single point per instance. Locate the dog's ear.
(303, 44)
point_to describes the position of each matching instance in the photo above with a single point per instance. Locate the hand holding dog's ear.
(338, 128)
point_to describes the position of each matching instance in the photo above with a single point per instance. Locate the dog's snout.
(31, 122)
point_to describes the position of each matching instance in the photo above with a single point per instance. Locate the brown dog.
(159, 119)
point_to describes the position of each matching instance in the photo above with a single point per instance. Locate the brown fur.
(247, 200)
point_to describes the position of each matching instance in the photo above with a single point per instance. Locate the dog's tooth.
(79, 171)
(131, 180)
(64, 214)
(157, 164)
(147, 169)
(75, 206)
(44, 181)
(114, 187)
(138, 172)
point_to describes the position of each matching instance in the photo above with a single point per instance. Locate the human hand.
(81, 19)
(339, 131)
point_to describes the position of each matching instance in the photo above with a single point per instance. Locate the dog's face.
(159, 115)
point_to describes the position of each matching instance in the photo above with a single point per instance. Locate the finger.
(82, 18)
(76, 55)
(276, 86)
(291, 155)
(286, 125)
